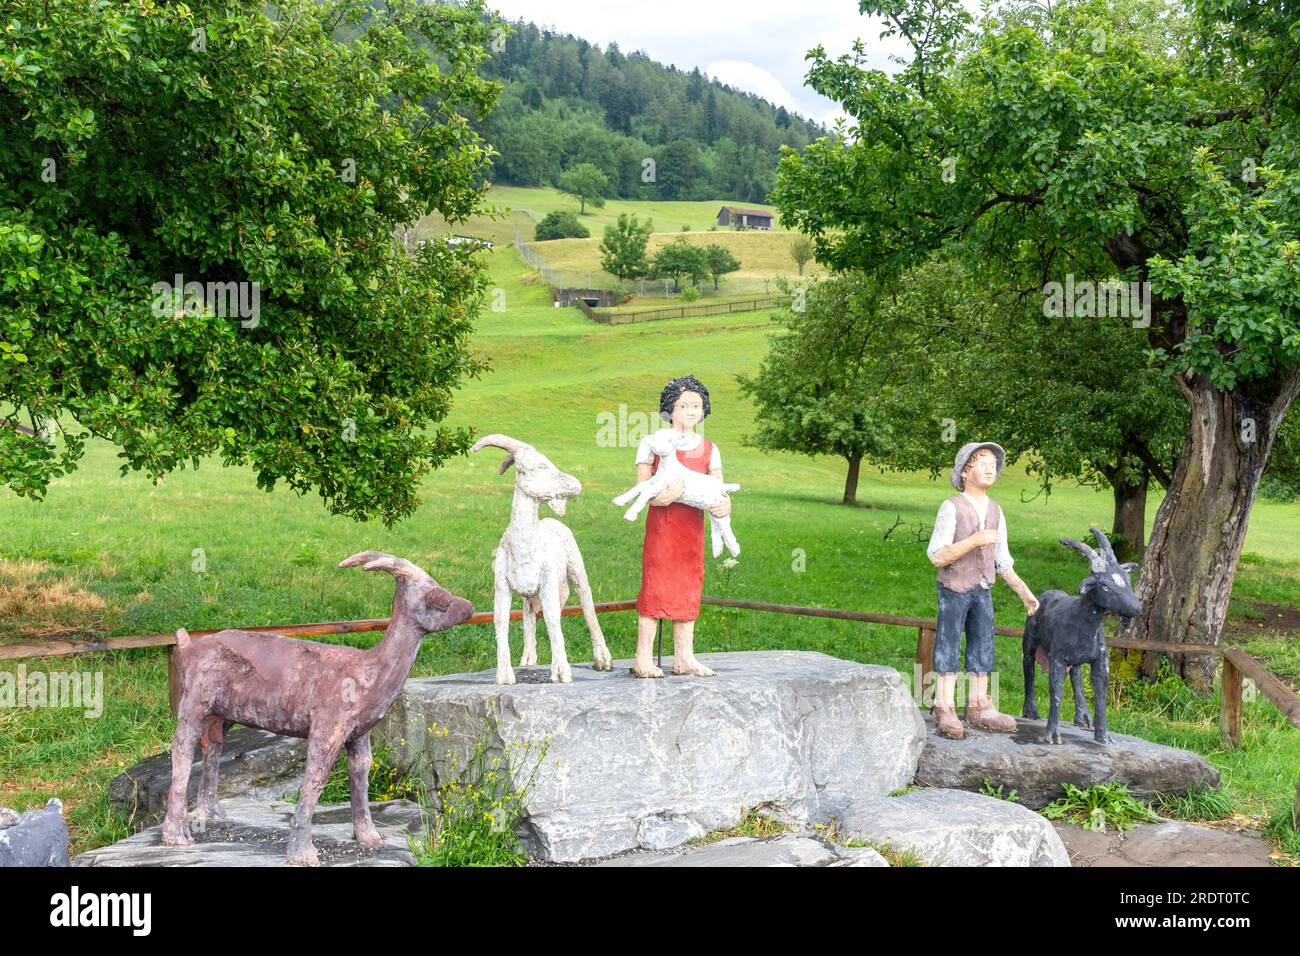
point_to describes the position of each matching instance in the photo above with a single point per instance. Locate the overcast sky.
(753, 45)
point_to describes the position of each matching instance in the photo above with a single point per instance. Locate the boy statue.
(969, 547)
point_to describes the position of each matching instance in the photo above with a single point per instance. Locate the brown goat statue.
(329, 694)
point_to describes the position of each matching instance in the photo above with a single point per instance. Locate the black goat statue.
(1065, 632)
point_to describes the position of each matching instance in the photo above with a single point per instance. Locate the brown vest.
(965, 573)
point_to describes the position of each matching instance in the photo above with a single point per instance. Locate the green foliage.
(1196, 805)
(999, 792)
(1100, 806)
(721, 261)
(831, 384)
(131, 153)
(801, 251)
(678, 259)
(585, 183)
(561, 225)
(691, 294)
(623, 248)
(388, 781)
(565, 101)
(471, 819)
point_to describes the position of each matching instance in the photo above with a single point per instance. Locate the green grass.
(1102, 807)
(556, 380)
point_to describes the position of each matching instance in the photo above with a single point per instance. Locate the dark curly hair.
(673, 391)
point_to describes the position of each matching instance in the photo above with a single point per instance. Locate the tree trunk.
(1186, 577)
(851, 482)
(1130, 522)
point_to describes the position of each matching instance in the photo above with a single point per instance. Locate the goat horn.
(1106, 549)
(379, 561)
(1097, 562)
(512, 445)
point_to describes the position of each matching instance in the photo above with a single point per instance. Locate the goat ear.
(1086, 586)
(506, 463)
(1130, 566)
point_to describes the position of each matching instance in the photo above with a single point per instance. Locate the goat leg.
(1080, 702)
(577, 573)
(501, 621)
(1056, 680)
(359, 760)
(321, 754)
(560, 670)
(175, 831)
(528, 656)
(209, 808)
(1030, 710)
(1100, 682)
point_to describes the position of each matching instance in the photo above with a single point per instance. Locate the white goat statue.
(538, 560)
(700, 491)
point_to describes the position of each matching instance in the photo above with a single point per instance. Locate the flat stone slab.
(1023, 762)
(1167, 843)
(34, 838)
(633, 763)
(255, 764)
(256, 833)
(955, 828)
(789, 849)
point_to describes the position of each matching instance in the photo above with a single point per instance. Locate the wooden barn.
(745, 218)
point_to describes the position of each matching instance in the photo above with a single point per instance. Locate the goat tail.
(182, 640)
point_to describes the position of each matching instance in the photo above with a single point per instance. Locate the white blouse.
(945, 529)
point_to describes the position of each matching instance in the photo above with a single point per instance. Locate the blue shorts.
(970, 611)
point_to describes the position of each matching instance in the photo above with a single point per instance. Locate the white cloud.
(751, 78)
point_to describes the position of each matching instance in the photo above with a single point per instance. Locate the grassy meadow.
(105, 554)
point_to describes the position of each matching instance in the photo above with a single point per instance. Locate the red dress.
(672, 558)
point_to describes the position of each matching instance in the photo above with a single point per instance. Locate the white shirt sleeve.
(945, 527)
(1002, 554)
(715, 459)
(644, 453)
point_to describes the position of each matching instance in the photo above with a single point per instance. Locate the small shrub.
(991, 791)
(1100, 806)
(690, 294)
(561, 225)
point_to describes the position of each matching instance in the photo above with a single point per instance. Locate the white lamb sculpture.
(701, 491)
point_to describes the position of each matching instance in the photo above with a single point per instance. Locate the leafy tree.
(585, 183)
(560, 224)
(829, 384)
(678, 169)
(1133, 139)
(240, 148)
(623, 248)
(681, 258)
(720, 261)
(801, 251)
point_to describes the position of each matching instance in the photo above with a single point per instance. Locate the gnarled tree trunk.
(1191, 560)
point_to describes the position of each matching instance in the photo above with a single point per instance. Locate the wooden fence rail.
(1237, 664)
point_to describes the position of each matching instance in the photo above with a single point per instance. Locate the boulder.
(789, 849)
(1023, 762)
(256, 833)
(955, 828)
(34, 838)
(633, 763)
(255, 764)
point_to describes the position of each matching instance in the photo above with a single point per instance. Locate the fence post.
(924, 653)
(1230, 705)
(173, 679)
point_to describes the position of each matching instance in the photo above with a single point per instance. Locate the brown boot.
(948, 724)
(982, 714)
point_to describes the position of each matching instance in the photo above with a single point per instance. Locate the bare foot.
(692, 667)
(646, 669)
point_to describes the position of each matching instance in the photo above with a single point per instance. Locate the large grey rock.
(256, 833)
(956, 828)
(789, 849)
(651, 763)
(255, 764)
(34, 838)
(1166, 843)
(1021, 761)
